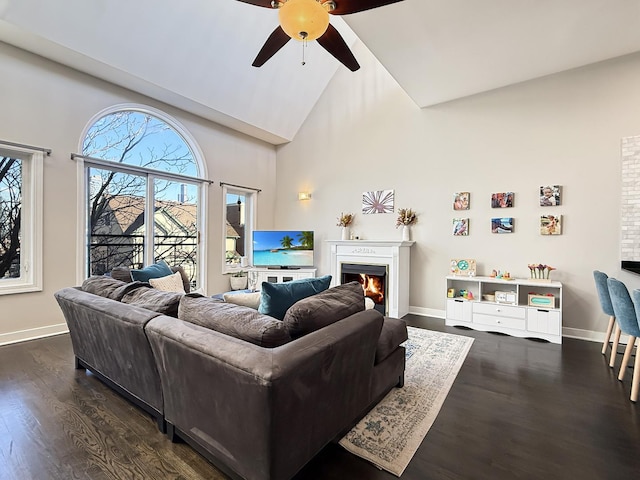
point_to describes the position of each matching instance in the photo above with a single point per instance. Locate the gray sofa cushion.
(101, 285)
(394, 332)
(121, 291)
(324, 308)
(154, 300)
(240, 322)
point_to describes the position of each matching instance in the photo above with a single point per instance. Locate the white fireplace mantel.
(395, 255)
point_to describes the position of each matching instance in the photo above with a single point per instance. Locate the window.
(20, 220)
(238, 218)
(137, 162)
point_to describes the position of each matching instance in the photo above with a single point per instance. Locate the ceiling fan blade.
(275, 42)
(344, 7)
(333, 43)
(258, 3)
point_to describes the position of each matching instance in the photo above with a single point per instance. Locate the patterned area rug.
(389, 435)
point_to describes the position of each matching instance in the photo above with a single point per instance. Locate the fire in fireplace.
(373, 279)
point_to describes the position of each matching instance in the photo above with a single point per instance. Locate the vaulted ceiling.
(197, 54)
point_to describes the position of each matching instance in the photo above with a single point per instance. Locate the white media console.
(257, 275)
(510, 310)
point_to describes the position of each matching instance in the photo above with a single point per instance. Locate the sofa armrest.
(265, 412)
(109, 337)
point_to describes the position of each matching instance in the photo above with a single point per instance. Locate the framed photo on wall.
(502, 200)
(461, 200)
(460, 227)
(550, 195)
(502, 225)
(551, 225)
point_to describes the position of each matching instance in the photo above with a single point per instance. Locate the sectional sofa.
(257, 396)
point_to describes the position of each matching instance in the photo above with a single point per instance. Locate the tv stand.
(257, 275)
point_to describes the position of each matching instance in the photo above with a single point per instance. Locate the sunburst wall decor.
(380, 201)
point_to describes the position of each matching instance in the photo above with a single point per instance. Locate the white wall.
(48, 105)
(366, 134)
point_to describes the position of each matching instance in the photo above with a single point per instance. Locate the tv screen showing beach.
(282, 248)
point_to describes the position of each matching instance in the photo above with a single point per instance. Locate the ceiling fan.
(307, 20)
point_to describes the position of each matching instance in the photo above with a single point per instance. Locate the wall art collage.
(550, 224)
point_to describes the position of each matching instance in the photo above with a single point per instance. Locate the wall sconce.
(304, 196)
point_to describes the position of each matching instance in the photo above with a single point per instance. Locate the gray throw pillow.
(102, 285)
(155, 300)
(121, 291)
(313, 313)
(236, 321)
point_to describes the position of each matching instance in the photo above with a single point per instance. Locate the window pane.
(10, 216)
(236, 222)
(176, 226)
(116, 220)
(140, 139)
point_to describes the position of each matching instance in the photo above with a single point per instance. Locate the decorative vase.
(406, 233)
(238, 283)
(345, 233)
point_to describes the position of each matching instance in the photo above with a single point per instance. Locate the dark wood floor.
(519, 409)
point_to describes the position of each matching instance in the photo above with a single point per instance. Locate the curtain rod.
(132, 168)
(240, 186)
(30, 147)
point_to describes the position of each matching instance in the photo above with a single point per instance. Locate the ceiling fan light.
(303, 19)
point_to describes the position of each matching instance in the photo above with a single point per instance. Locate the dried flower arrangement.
(540, 271)
(345, 219)
(406, 216)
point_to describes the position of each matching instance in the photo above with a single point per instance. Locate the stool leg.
(614, 347)
(635, 384)
(627, 356)
(607, 336)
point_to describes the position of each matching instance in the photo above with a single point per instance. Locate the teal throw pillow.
(276, 298)
(157, 270)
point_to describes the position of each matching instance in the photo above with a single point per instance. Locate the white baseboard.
(427, 312)
(33, 333)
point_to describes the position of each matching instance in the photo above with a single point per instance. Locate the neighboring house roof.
(173, 217)
(232, 232)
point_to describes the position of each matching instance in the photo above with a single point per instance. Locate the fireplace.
(373, 279)
(393, 257)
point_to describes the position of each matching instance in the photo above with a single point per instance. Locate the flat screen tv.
(283, 248)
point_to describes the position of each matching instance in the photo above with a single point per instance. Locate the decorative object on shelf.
(406, 218)
(238, 280)
(344, 221)
(463, 267)
(540, 272)
(502, 225)
(380, 201)
(461, 201)
(550, 195)
(506, 297)
(540, 300)
(460, 227)
(502, 200)
(551, 225)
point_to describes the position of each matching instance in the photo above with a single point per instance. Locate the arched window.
(136, 161)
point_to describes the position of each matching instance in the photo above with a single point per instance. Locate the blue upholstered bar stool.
(605, 302)
(625, 312)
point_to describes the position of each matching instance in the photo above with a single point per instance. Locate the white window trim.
(252, 196)
(30, 279)
(81, 239)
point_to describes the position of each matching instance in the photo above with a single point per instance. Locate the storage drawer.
(499, 310)
(495, 321)
(544, 321)
(459, 310)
